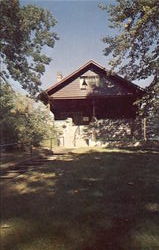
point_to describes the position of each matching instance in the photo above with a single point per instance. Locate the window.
(86, 119)
(83, 83)
(91, 81)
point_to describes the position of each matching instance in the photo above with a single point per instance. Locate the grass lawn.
(83, 200)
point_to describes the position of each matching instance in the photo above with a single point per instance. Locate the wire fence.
(47, 142)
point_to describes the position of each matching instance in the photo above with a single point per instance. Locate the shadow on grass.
(90, 201)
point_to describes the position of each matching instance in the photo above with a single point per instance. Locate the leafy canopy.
(134, 50)
(24, 32)
(7, 122)
(135, 47)
(22, 119)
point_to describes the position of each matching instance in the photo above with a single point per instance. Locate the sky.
(81, 27)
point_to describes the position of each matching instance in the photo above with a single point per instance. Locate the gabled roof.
(89, 66)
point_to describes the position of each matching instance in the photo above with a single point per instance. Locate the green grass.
(84, 200)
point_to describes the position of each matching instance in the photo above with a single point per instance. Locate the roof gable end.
(91, 65)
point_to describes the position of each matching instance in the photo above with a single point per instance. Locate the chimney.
(59, 76)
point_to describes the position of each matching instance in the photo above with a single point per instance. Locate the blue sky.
(81, 27)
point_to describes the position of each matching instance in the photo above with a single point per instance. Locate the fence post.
(145, 129)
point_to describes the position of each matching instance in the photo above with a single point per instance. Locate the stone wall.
(98, 132)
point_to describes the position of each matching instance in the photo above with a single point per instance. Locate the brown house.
(92, 92)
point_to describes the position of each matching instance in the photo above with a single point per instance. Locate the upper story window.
(83, 84)
(89, 81)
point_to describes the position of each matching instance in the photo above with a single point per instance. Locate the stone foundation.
(97, 133)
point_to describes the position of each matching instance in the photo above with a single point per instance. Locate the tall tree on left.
(24, 33)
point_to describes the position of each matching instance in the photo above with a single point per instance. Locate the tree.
(22, 119)
(135, 50)
(149, 109)
(33, 120)
(8, 132)
(135, 47)
(24, 32)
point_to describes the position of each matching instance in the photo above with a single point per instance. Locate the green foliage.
(7, 122)
(149, 108)
(108, 130)
(35, 125)
(23, 120)
(43, 97)
(149, 104)
(135, 47)
(24, 32)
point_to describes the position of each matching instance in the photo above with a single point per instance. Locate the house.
(92, 95)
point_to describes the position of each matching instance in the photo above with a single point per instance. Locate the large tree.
(134, 50)
(24, 32)
(135, 46)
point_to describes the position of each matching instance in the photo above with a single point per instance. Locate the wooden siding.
(98, 69)
(73, 90)
(115, 107)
